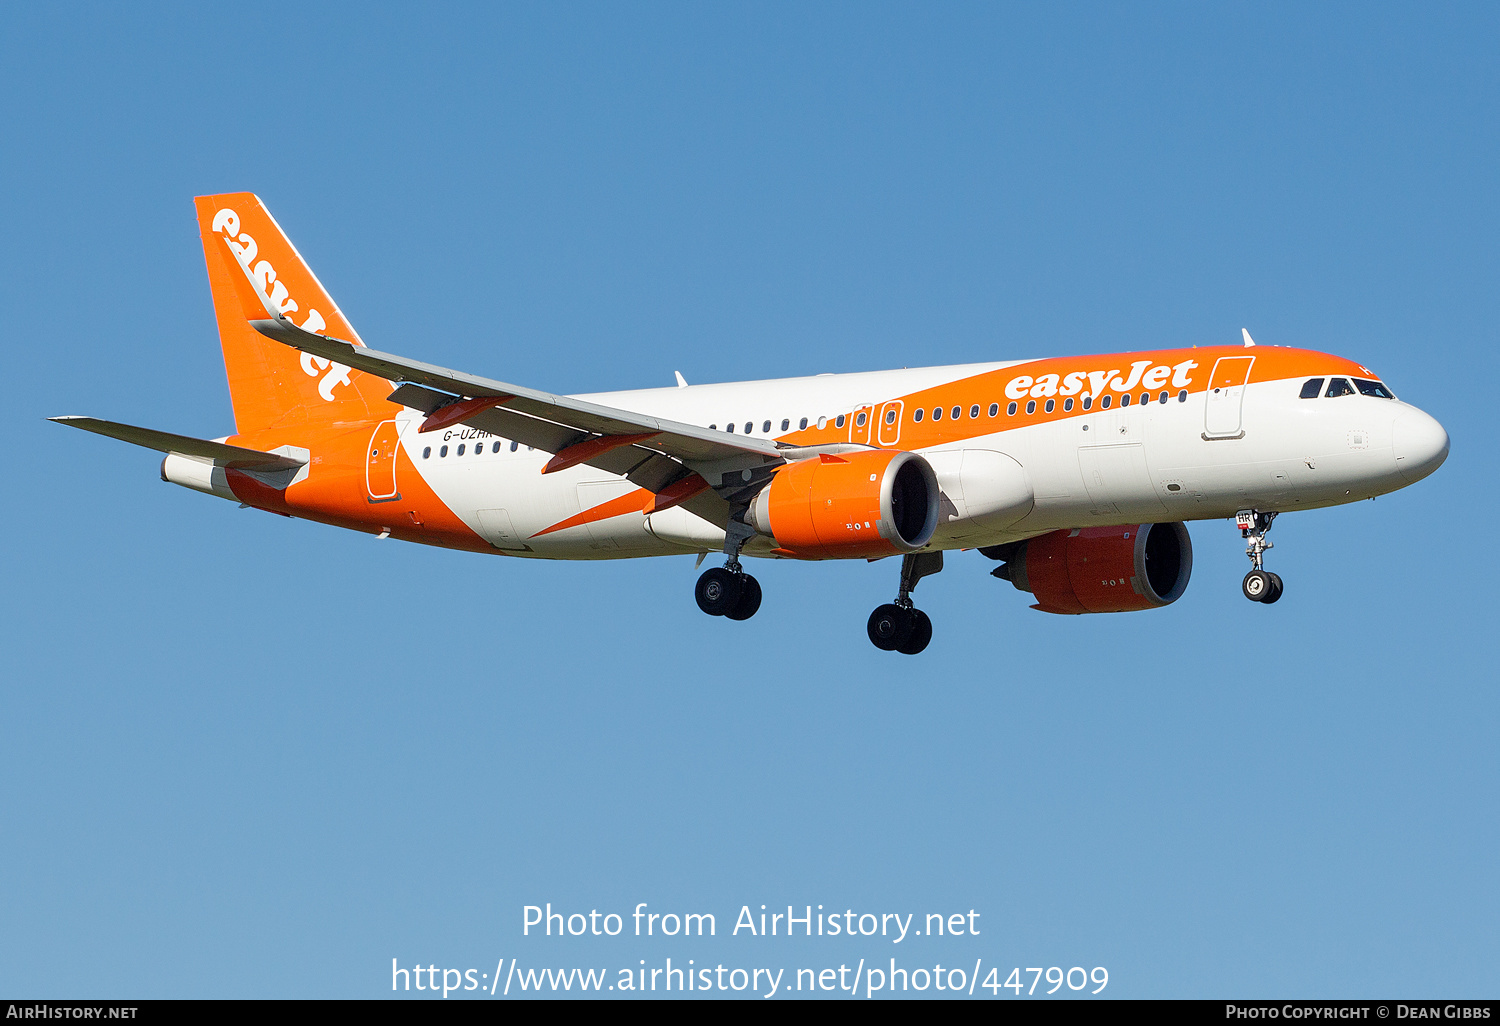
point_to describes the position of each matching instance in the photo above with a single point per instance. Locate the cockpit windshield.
(1374, 388)
(1338, 387)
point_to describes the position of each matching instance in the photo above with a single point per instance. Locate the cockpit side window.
(1338, 387)
(1312, 388)
(1374, 388)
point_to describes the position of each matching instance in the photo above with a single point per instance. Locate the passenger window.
(460, 449)
(838, 421)
(994, 409)
(1164, 398)
(917, 414)
(442, 452)
(495, 447)
(1125, 400)
(1182, 396)
(1088, 402)
(974, 412)
(766, 427)
(958, 411)
(1031, 406)
(514, 445)
(1010, 411)
(1373, 388)
(1145, 398)
(1051, 405)
(802, 426)
(729, 428)
(749, 426)
(822, 423)
(713, 427)
(859, 421)
(1104, 403)
(1338, 387)
(786, 423)
(890, 416)
(937, 413)
(427, 452)
(1067, 404)
(1312, 388)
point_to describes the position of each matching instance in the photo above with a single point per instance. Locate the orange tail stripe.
(587, 450)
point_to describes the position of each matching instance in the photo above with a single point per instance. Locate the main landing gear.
(899, 626)
(727, 590)
(1260, 585)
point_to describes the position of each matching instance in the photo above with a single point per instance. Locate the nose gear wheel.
(1259, 585)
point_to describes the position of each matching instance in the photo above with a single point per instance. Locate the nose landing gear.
(1259, 585)
(899, 626)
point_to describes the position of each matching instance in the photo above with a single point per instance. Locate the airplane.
(1077, 474)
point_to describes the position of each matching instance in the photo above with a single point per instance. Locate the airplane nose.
(1420, 444)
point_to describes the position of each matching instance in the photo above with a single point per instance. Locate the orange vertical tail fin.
(272, 385)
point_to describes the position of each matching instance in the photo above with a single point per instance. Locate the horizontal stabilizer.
(163, 441)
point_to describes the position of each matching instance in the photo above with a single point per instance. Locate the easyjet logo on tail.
(245, 250)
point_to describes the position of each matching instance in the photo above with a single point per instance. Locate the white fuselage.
(1181, 459)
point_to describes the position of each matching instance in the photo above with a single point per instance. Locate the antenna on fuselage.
(1248, 340)
(681, 381)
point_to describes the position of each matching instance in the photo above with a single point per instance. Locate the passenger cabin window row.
(1088, 402)
(1312, 388)
(765, 427)
(1309, 390)
(937, 413)
(478, 448)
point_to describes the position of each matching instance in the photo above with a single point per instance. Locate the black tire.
(889, 627)
(921, 634)
(749, 601)
(718, 591)
(1276, 589)
(1256, 585)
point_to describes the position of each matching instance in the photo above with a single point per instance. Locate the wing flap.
(640, 463)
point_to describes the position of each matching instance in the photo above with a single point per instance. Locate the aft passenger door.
(380, 463)
(1223, 414)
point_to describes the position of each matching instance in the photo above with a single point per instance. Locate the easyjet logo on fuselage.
(245, 250)
(1097, 381)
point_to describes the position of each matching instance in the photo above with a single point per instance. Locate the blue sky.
(249, 756)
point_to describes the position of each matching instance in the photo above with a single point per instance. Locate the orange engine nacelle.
(1103, 569)
(856, 505)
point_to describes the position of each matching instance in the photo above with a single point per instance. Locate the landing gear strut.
(728, 590)
(1260, 585)
(899, 626)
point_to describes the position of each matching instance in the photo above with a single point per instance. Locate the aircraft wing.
(164, 441)
(688, 442)
(652, 452)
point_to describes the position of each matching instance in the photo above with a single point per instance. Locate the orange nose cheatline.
(1420, 444)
